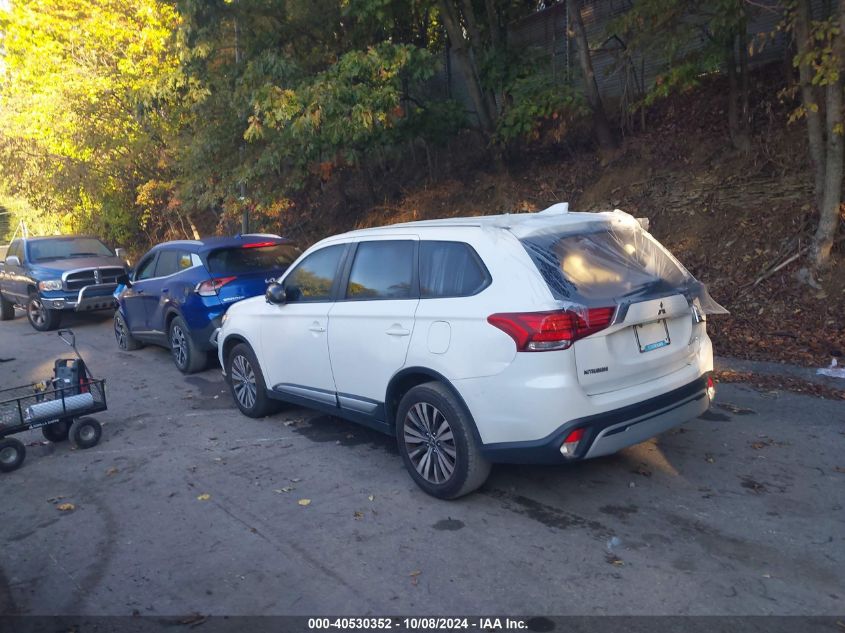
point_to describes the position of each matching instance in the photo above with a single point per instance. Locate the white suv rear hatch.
(611, 262)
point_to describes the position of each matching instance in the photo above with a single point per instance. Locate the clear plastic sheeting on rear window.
(611, 262)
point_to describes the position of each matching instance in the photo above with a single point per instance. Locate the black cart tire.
(123, 336)
(40, 317)
(12, 454)
(437, 442)
(85, 433)
(7, 309)
(58, 431)
(246, 382)
(187, 357)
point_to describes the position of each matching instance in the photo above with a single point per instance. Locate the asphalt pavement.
(188, 507)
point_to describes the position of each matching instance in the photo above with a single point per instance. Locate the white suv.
(545, 337)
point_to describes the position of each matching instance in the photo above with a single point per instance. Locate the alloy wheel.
(243, 381)
(37, 312)
(430, 442)
(120, 333)
(179, 346)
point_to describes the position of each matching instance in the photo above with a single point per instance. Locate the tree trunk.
(832, 198)
(809, 97)
(737, 127)
(465, 64)
(591, 88)
(476, 44)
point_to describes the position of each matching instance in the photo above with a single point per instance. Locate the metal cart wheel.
(12, 454)
(57, 431)
(85, 433)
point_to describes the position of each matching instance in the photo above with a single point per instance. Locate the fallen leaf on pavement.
(296, 480)
(358, 515)
(112, 471)
(66, 507)
(839, 469)
(304, 502)
(709, 458)
(204, 497)
(614, 560)
(285, 489)
(372, 497)
(643, 470)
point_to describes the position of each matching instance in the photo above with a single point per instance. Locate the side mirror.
(12, 260)
(120, 252)
(124, 279)
(276, 294)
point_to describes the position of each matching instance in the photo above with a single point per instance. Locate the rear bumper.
(609, 432)
(94, 297)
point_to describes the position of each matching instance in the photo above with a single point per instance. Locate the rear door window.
(314, 277)
(382, 270)
(249, 258)
(450, 269)
(168, 263)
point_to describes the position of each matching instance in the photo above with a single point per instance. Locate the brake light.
(546, 331)
(567, 449)
(210, 287)
(711, 388)
(258, 244)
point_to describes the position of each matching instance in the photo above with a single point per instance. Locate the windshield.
(609, 263)
(65, 248)
(247, 259)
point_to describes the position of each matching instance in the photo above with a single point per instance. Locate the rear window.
(609, 263)
(245, 259)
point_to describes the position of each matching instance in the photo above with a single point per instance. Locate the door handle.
(397, 330)
(316, 327)
(164, 290)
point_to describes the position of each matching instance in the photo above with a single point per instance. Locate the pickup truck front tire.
(7, 309)
(40, 317)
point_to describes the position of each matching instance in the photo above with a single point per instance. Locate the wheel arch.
(410, 377)
(229, 344)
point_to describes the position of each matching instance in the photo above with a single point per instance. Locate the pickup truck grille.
(81, 278)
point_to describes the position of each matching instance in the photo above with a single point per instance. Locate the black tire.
(7, 309)
(41, 318)
(426, 445)
(58, 431)
(85, 433)
(246, 382)
(187, 357)
(123, 336)
(12, 454)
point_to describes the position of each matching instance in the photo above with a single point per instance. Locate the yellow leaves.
(65, 507)
(304, 502)
(204, 497)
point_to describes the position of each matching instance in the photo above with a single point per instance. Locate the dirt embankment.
(730, 217)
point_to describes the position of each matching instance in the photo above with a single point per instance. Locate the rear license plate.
(651, 336)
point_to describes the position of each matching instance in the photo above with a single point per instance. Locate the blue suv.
(180, 290)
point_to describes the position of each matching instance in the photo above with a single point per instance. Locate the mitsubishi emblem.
(662, 310)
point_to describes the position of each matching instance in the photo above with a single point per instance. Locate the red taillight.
(545, 331)
(711, 388)
(258, 244)
(209, 288)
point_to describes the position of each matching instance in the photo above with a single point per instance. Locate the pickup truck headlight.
(50, 284)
